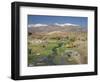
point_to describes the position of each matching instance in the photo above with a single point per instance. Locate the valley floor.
(57, 48)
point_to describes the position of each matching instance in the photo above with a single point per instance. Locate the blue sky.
(43, 19)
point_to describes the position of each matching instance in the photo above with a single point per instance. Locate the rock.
(72, 56)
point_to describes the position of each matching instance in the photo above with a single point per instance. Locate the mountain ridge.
(56, 27)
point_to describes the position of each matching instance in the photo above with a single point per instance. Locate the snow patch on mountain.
(37, 25)
(55, 24)
(66, 24)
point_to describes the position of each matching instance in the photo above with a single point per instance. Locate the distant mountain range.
(67, 27)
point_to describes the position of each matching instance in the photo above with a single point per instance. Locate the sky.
(43, 19)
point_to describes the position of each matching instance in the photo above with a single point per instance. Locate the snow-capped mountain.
(65, 24)
(66, 27)
(55, 24)
(37, 25)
